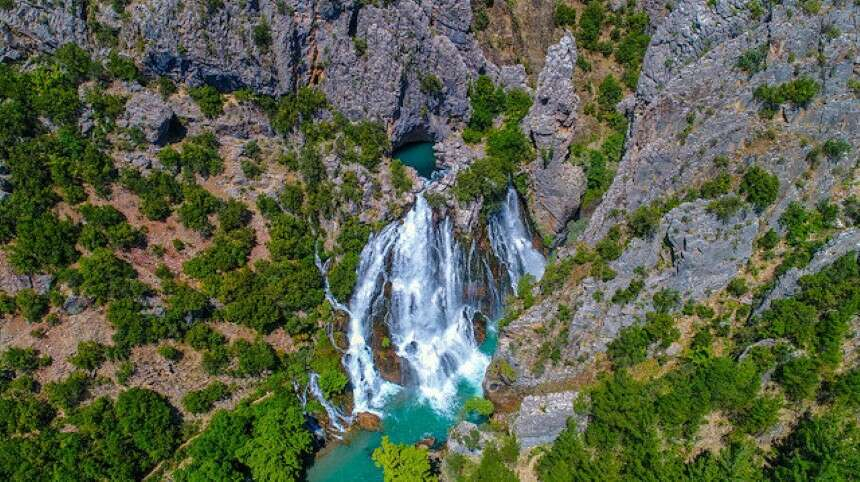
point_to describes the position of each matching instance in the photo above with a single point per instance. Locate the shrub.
(760, 415)
(590, 25)
(31, 305)
(343, 276)
(69, 393)
(253, 358)
(769, 240)
(725, 207)
(799, 92)
(608, 94)
(430, 84)
(799, 377)
(760, 187)
(835, 148)
(262, 35)
(644, 220)
(753, 60)
(170, 352)
(106, 277)
(22, 360)
(89, 355)
(202, 401)
(737, 287)
(717, 186)
(210, 101)
(42, 244)
(121, 68)
(399, 178)
(479, 406)
(565, 16)
(198, 206)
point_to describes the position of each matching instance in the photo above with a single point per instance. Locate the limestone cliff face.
(368, 60)
(694, 105)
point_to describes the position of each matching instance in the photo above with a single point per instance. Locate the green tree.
(402, 463)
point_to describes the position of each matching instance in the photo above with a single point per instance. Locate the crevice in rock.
(176, 131)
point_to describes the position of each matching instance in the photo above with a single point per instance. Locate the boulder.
(368, 421)
(149, 112)
(541, 418)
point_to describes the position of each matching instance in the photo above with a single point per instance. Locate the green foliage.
(820, 447)
(564, 16)
(170, 353)
(479, 406)
(799, 223)
(106, 277)
(799, 92)
(556, 273)
(402, 462)
(210, 101)
(487, 102)
(69, 393)
(799, 376)
(590, 24)
(158, 192)
(122, 68)
(769, 240)
(22, 360)
(760, 187)
(198, 206)
(609, 94)
(107, 227)
(343, 276)
(262, 35)
(631, 345)
(228, 251)
(89, 355)
(835, 148)
(399, 178)
(44, 243)
(644, 220)
(31, 305)
(199, 156)
(202, 401)
(717, 186)
(754, 60)
(295, 108)
(267, 440)
(491, 468)
(725, 207)
(760, 415)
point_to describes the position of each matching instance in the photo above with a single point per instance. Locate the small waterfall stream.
(415, 276)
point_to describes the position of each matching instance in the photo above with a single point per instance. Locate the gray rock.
(75, 304)
(468, 439)
(149, 112)
(542, 418)
(556, 186)
(42, 283)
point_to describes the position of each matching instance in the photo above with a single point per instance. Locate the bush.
(644, 220)
(106, 277)
(799, 377)
(737, 287)
(799, 92)
(198, 206)
(69, 393)
(202, 401)
(121, 68)
(262, 35)
(835, 148)
(31, 305)
(43, 244)
(210, 101)
(149, 420)
(253, 358)
(170, 353)
(754, 60)
(590, 25)
(760, 415)
(760, 187)
(716, 187)
(609, 94)
(725, 207)
(22, 360)
(430, 84)
(89, 356)
(399, 178)
(199, 156)
(479, 406)
(820, 447)
(565, 16)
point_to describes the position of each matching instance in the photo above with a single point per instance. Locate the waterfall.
(512, 241)
(338, 420)
(417, 278)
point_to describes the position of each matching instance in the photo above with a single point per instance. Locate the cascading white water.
(512, 241)
(418, 278)
(337, 420)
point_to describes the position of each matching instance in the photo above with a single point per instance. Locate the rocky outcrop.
(541, 418)
(693, 103)
(555, 185)
(369, 60)
(147, 111)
